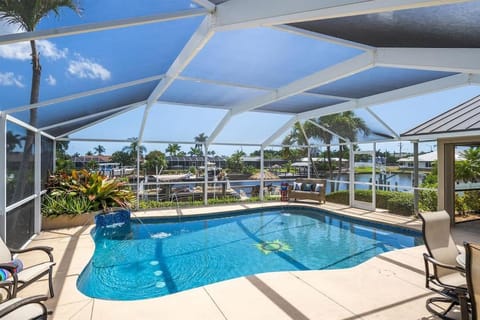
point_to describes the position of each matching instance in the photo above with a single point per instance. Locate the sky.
(249, 57)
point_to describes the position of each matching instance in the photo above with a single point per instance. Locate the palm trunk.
(330, 168)
(23, 171)
(340, 159)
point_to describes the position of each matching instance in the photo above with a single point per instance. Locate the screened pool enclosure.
(244, 73)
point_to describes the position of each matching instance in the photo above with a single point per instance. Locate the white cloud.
(86, 68)
(51, 80)
(22, 51)
(7, 28)
(9, 79)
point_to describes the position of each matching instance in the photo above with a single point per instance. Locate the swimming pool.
(157, 257)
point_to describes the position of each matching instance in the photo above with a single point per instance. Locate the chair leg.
(442, 315)
(50, 282)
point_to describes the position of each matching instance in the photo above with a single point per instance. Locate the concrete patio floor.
(388, 286)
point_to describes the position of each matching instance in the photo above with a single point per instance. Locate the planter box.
(67, 221)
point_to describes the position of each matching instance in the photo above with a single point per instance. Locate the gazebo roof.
(463, 120)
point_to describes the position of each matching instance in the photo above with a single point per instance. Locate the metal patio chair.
(24, 308)
(29, 274)
(472, 273)
(445, 277)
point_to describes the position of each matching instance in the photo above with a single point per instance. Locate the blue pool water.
(156, 258)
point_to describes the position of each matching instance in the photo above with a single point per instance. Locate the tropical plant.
(173, 149)
(27, 14)
(99, 150)
(102, 192)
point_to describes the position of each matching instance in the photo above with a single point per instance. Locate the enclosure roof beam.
(449, 82)
(123, 110)
(279, 132)
(89, 116)
(354, 65)
(341, 70)
(205, 4)
(83, 94)
(328, 130)
(99, 26)
(384, 124)
(198, 40)
(464, 60)
(235, 14)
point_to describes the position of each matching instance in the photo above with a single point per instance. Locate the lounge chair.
(24, 308)
(447, 278)
(29, 274)
(472, 268)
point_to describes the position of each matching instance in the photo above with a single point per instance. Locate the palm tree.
(348, 126)
(172, 149)
(199, 141)
(468, 170)
(155, 160)
(99, 150)
(295, 136)
(134, 147)
(27, 14)
(13, 140)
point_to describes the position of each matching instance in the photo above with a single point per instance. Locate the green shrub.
(70, 205)
(401, 203)
(427, 200)
(340, 197)
(394, 201)
(471, 199)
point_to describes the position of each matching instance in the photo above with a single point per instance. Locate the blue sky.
(84, 62)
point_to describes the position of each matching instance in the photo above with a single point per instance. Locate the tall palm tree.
(349, 126)
(134, 147)
(172, 149)
(99, 150)
(295, 136)
(199, 140)
(27, 14)
(13, 140)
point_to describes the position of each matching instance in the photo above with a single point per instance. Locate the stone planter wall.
(67, 221)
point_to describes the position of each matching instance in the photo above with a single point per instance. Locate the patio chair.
(24, 308)
(472, 268)
(447, 277)
(29, 274)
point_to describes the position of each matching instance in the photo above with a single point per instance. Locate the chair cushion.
(297, 186)
(455, 279)
(318, 187)
(307, 187)
(29, 273)
(28, 311)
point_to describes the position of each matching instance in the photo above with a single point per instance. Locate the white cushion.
(28, 311)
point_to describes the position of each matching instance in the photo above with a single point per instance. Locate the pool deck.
(388, 286)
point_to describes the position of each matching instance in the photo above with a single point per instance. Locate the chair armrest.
(47, 250)
(22, 302)
(443, 265)
(10, 267)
